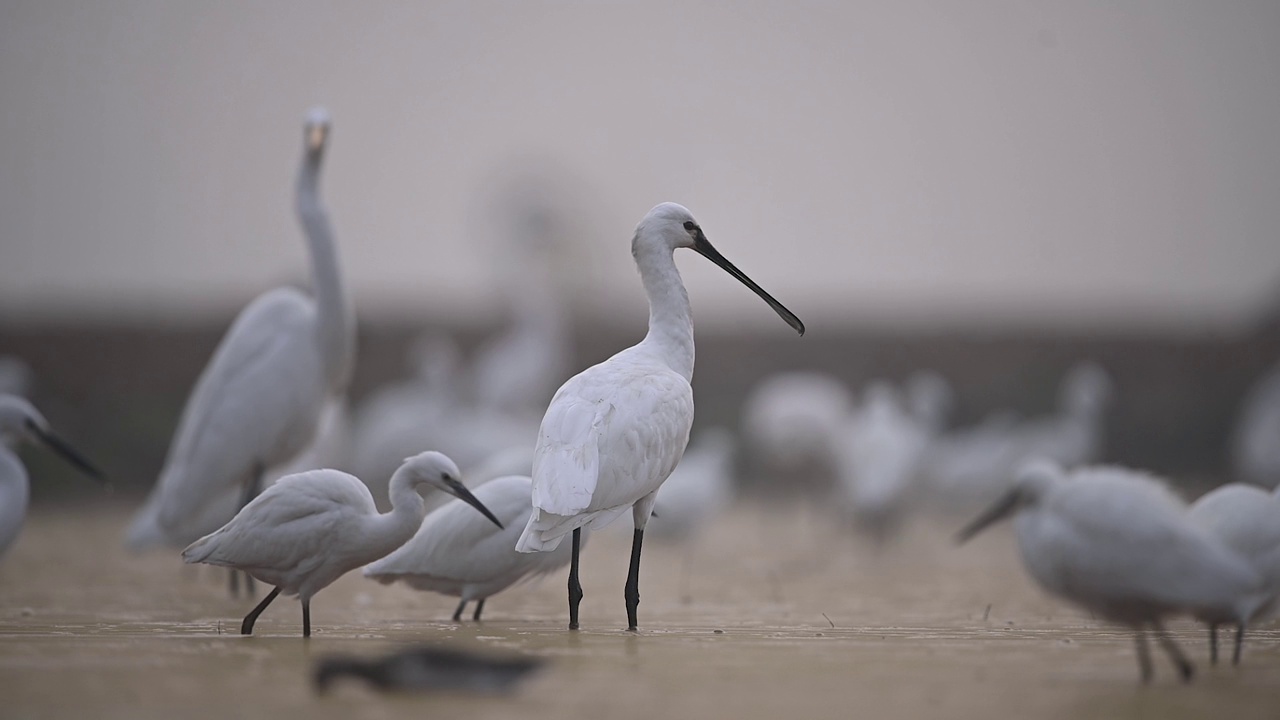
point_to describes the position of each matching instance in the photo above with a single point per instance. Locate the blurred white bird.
(428, 669)
(258, 402)
(21, 422)
(1120, 544)
(458, 553)
(1247, 519)
(615, 431)
(700, 487)
(309, 529)
(15, 376)
(930, 400)
(1255, 452)
(789, 423)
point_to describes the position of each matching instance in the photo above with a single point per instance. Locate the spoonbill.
(21, 422)
(259, 401)
(1247, 519)
(615, 431)
(457, 553)
(1120, 544)
(309, 529)
(428, 669)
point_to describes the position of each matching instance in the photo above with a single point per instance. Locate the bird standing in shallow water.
(614, 432)
(309, 529)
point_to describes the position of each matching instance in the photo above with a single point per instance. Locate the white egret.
(699, 488)
(1118, 543)
(460, 554)
(1255, 454)
(428, 669)
(21, 422)
(309, 529)
(1247, 519)
(258, 402)
(615, 431)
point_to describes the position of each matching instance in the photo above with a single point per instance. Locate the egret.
(458, 553)
(1255, 454)
(258, 402)
(21, 422)
(615, 431)
(1247, 519)
(1118, 543)
(428, 669)
(309, 529)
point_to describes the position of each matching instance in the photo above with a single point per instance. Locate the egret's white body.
(309, 529)
(21, 422)
(1120, 544)
(700, 487)
(789, 420)
(258, 402)
(615, 431)
(1247, 519)
(458, 553)
(1255, 454)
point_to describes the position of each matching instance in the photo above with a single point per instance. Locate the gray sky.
(906, 162)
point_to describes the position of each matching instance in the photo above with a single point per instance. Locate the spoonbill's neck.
(335, 321)
(670, 317)
(392, 529)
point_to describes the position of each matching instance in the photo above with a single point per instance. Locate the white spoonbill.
(1247, 519)
(259, 401)
(21, 422)
(458, 553)
(615, 431)
(309, 529)
(1118, 543)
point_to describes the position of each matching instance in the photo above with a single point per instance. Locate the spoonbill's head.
(19, 420)
(316, 131)
(436, 470)
(673, 225)
(1032, 483)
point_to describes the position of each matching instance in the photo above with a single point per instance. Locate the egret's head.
(19, 420)
(438, 471)
(316, 132)
(1031, 484)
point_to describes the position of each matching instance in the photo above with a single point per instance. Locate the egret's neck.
(670, 317)
(336, 322)
(407, 510)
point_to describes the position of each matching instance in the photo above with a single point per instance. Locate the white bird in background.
(21, 422)
(700, 487)
(615, 431)
(930, 400)
(258, 402)
(1247, 519)
(1255, 454)
(1120, 544)
(789, 421)
(309, 529)
(15, 376)
(458, 553)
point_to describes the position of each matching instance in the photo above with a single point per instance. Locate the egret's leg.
(1185, 668)
(1213, 643)
(306, 618)
(575, 587)
(632, 591)
(1235, 657)
(479, 609)
(457, 614)
(1144, 653)
(246, 627)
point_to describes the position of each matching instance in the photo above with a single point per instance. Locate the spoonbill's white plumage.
(615, 431)
(1247, 519)
(699, 488)
(258, 402)
(21, 422)
(460, 554)
(1120, 544)
(1255, 454)
(309, 529)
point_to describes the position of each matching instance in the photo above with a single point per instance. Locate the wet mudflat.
(773, 612)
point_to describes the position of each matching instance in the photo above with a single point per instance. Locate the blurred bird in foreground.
(429, 669)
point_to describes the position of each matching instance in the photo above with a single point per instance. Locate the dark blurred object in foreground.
(429, 669)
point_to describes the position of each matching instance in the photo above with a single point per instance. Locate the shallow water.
(773, 612)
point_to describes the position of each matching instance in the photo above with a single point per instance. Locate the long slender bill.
(66, 452)
(462, 493)
(704, 248)
(1002, 508)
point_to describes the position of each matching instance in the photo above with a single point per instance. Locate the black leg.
(632, 591)
(1144, 653)
(1235, 657)
(457, 614)
(575, 587)
(1213, 643)
(1180, 661)
(246, 627)
(479, 609)
(306, 618)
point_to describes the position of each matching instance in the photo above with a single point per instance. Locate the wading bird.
(21, 422)
(614, 432)
(259, 401)
(309, 529)
(1118, 543)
